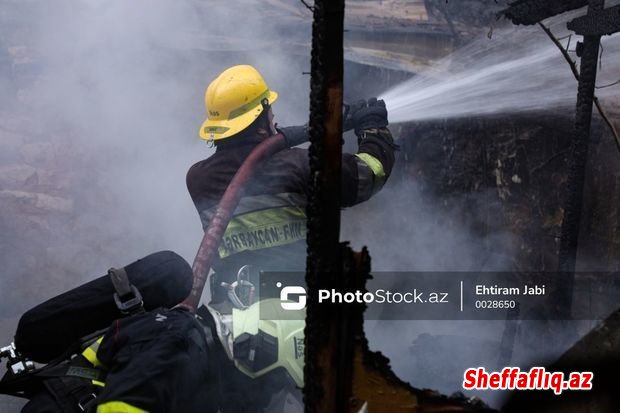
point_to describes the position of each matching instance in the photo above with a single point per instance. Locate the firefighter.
(268, 229)
(226, 358)
(165, 360)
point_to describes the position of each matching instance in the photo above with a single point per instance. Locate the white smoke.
(107, 111)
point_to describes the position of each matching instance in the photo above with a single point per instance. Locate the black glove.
(294, 135)
(373, 115)
(349, 111)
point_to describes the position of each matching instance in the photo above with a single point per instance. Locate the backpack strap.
(127, 297)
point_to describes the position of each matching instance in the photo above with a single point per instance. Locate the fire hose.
(223, 214)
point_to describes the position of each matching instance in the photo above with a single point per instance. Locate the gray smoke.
(103, 125)
(117, 89)
(405, 230)
(107, 110)
(518, 70)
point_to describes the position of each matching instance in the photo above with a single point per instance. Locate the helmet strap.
(265, 103)
(210, 142)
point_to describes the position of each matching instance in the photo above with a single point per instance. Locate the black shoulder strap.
(127, 297)
(72, 394)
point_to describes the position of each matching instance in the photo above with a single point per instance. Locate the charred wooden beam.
(327, 370)
(597, 23)
(578, 158)
(529, 12)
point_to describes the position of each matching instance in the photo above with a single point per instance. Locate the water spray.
(517, 70)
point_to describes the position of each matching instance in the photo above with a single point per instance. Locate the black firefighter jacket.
(268, 228)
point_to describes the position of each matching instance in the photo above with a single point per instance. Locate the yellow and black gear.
(152, 362)
(262, 342)
(233, 101)
(268, 227)
(70, 386)
(157, 362)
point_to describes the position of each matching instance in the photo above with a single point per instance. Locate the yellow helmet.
(233, 101)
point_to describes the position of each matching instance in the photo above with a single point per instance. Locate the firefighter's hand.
(349, 112)
(372, 115)
(294, 135)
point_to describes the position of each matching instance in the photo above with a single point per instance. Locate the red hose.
(225, 209)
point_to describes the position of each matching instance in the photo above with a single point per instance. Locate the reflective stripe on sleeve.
(118, 407)
(374, 164)
(371, 176)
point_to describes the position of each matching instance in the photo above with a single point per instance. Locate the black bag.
(46, 331)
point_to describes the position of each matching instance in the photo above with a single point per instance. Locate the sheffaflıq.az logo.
(292, 290)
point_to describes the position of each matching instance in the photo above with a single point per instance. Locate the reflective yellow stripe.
(91, 353)
(248, 106)
(259, 202)
(214, 129)
(376, 167)
(118, 407)
(373, 163)
(263, 229)
(98, 383)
